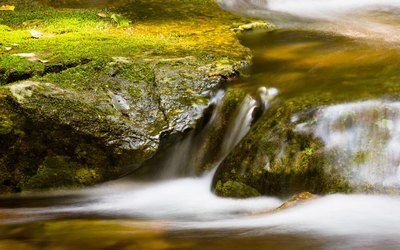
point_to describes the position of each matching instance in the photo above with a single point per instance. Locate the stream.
(347, 49)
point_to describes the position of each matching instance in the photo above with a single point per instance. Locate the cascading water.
(194, 194)
(190, 197)
(365, 137)
(237, 130)
(186, 157)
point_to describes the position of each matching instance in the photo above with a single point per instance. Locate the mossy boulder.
(90, 100)
(62, 171)
(272, 158)
(279, 157)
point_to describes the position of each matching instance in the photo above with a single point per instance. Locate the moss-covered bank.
(88, 94)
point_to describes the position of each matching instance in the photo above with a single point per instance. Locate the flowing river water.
(347, 49)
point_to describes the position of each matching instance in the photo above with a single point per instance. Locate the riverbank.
(87, 95)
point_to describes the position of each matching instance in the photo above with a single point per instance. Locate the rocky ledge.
(87, 95)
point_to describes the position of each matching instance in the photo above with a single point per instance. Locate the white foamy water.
(352, 216)
(181, 199)
(366, 139)
(357, 18)
(192, 197)
(188, 203)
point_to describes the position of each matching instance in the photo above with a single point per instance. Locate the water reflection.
(301, 62)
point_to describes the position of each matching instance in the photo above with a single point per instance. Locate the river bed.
(340, 60)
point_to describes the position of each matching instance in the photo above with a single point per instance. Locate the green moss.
(6, 125)
(71, 35)
(61, 171)
(235, 189)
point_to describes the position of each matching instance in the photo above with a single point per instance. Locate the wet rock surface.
(289, 150)
(78, 116)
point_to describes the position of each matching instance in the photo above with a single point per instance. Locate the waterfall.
(238, 129)
(191, 197)
(365, 137)
(361, 138)
(186, 157)
(182, 159)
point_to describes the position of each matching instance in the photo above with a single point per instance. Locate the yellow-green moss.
(202, 32)
(235, 189)
(62, 171)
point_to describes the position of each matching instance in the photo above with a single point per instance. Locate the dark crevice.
(18, 76)
(157, 97)
(161, 108)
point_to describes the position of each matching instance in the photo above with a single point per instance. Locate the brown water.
(299, 61)
(184, 214)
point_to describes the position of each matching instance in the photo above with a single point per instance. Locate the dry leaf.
(7, 7)
(26, 55)
(35, 34)
(101, 14)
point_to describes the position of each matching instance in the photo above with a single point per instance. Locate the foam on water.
(334, 215)
(188, 203)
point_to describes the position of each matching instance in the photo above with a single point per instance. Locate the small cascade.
(189, 156)
(182, 158)
(238, 129)
(365, 139)
(190, 196)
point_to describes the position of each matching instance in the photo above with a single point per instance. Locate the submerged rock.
(297, 200)
(294, 201)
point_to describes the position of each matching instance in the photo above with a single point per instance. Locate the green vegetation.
(235, 189)
(144, 31)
